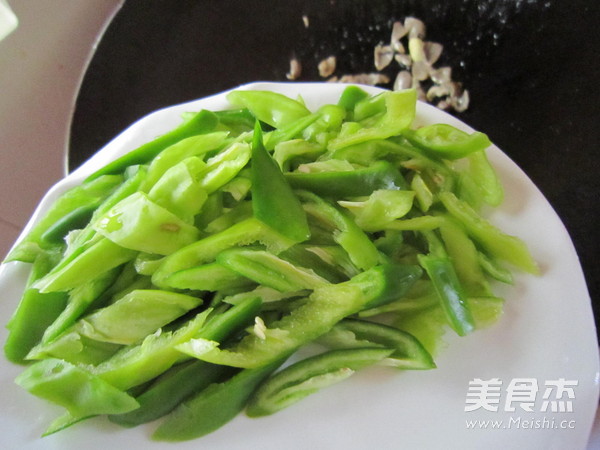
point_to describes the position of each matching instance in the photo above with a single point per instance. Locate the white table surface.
(41, 67)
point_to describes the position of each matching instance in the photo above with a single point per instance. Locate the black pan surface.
(531, 68)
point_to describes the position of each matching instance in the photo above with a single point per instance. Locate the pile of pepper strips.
(178, 280)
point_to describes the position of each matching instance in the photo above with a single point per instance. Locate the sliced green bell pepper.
(137, 223)
(34, 314)
(380, 208)
(326, 306)
(212, 407)
(400, 109)
(445, 141)
(134, 365)
(408, 353)
(186, 148)
(347, 234)
(350, 97)
(356, 183)
(272, 108)
(73, 200)
(99, 257)
(450, 292)
(502, 246)
(273, 201)
(269, 270)
(201, 123)
(179, 190)
(173, 387)
(306, 377)
(206, 250)
(79, 300)
(80, 392)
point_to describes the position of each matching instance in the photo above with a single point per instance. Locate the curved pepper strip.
(399, 114)
(34, 314)
(465, 258)
(479, 183)
(79, 300)
(135, 176)
(347, 234)
(350, 97)
(445, 141)
(77, 390)
(213, 407)
(408, 353)
(197, 146)
(382, 207)
(350, 183)
(119, 323)
(134, 365)
(269, 270)
(86, 244)
(370, 106)
(76, 219)
(306, 377)
(272, 108)
(99, 257)
(450, 292)
(210, 277)
(179, 190)
(273, 201)
(290, 131)
(206, 250)
(74, 199)
(202, 122)
(138, 223)
(325, 307)
(502, 246)
(224, 166)
(236, 121)
(287, 151)
(179, 383)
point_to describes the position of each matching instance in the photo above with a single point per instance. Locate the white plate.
(547, 333)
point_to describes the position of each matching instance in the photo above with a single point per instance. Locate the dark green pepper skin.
(293, 383)
(34, 314)
(201, 123)
(75, 219)
(445, 141)
(168, 391)
(351, 96)
(409, 353)
(325, 307)
(355, 183)
(273, 201)
(214, 406)
(236, 120)
(450, 292)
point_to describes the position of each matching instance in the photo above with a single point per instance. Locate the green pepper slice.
(326, 306)
(270, 107)
(202, 122)
(306, 377)
(355, 183)
(273, 201)
(408, 353)
(173, 387)
(213, 407)
(445, 141)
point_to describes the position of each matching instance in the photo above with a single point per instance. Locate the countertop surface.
(533, 93)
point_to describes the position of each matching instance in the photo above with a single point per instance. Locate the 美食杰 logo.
(522, 396)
